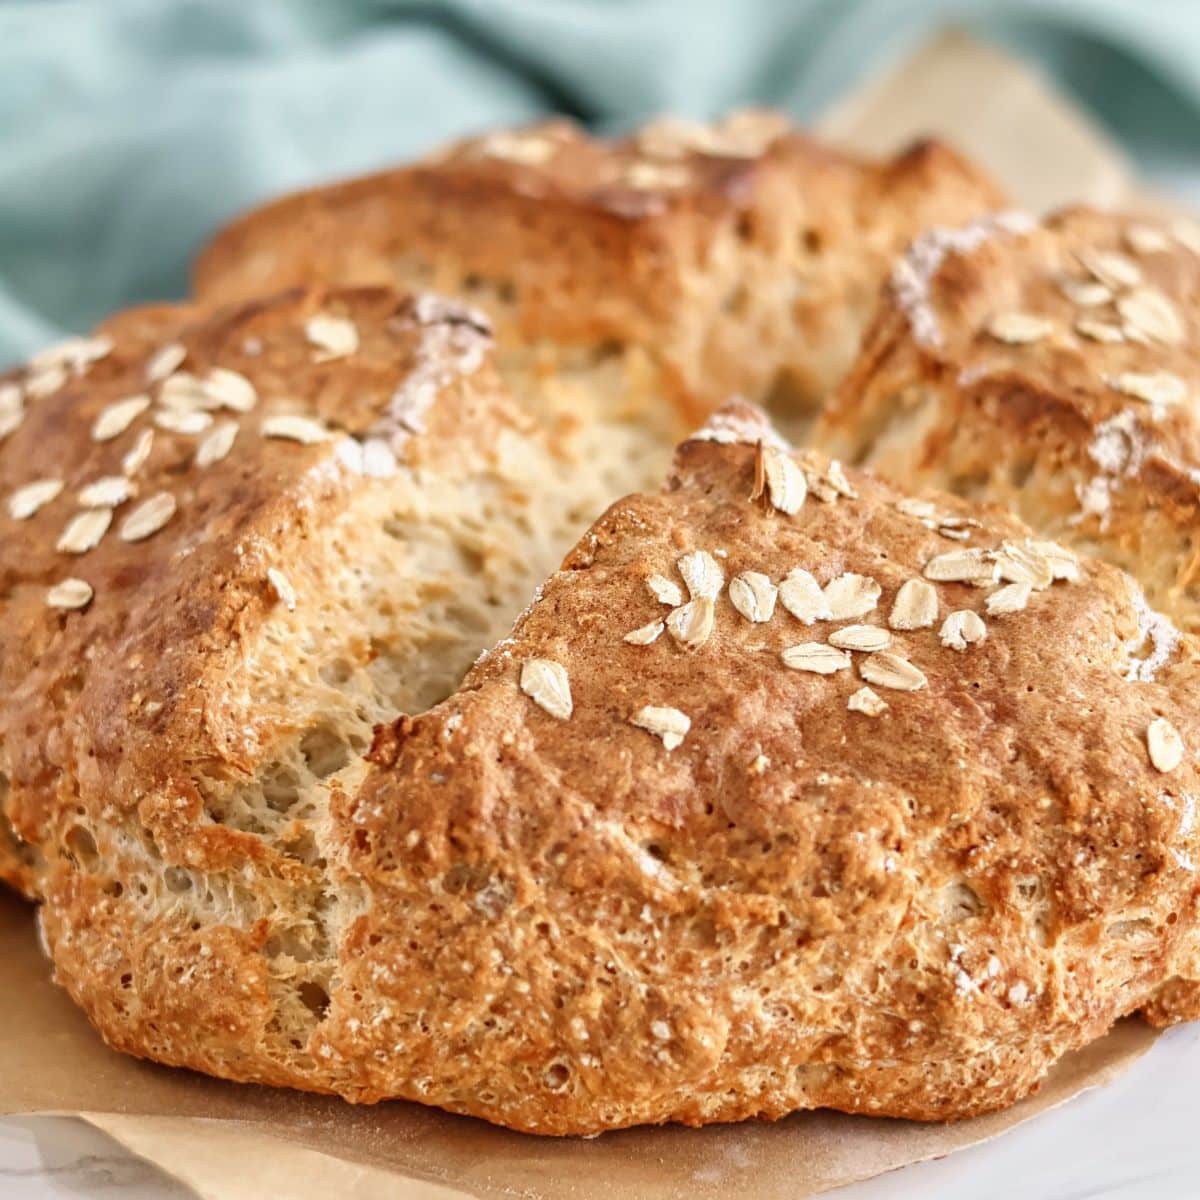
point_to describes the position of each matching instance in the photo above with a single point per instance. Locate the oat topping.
(187, 423)
(45, 381)
(740, 135)
(76, 353)
(27, 500)
(1063, 564)
(1086, 293)
(1011, 598)
(701, 574)
(1164, 744)
(802, 596)
(528, 149)
(294, 428)
(282, 587)
(753, 595)
(837, 479)
(692, 623)
(664, 590)
(1157, 388)
(816, 657)
(829, 484)
(1099, 331)
(850, 595)
(867, 638)
(868, 702)
(135, 457)
(667, 723)
(963, 566)
(949, 525)
(229, 389)
(10, 421)
(1145, 239)
(786, 486)
(165, 361)
(117, 417)
(1019, 328)
(334, 337)
(84, 531)
(69, 594)
(108, 491)
(916, 605)
(216, 444)
(648, 176)
(148, 518)
(545, 682)
(889, 670)
(1111, 269)
(184, 392)
(961, 629)
(1023, 563)
(1151, 313)
(645, 635)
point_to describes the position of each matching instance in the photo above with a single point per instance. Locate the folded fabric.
(132, 129)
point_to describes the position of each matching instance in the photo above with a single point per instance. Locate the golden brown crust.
(567, 923)
(1051, 368)
(119, 682)
(801, 905)
(741, 258)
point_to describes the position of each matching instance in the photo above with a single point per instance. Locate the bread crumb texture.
(288, 825)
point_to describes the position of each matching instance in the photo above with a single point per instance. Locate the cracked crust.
(562, 924)
(983, 373)
(739, 258)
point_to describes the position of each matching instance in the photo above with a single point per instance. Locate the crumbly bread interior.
(395, 582)
(395, 601)
(1051, 368)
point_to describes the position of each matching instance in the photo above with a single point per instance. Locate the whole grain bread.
(1053, 367)
(648, 278)
(789, 789)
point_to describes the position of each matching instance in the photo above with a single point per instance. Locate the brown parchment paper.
(231, 1142)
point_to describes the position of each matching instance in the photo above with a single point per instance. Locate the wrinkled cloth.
(132, 129)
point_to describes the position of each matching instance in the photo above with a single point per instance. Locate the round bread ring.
(601, 880)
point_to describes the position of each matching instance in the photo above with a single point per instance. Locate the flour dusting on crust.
(454, 341)
(1156, 634)
(913, 274)
(740, 423)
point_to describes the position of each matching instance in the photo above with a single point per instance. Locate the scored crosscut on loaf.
(232, 544)
(840, 842)
(637, 283)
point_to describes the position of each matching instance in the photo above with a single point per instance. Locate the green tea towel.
(131, 129)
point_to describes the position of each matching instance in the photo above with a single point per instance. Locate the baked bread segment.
(233, 542)
(754, 864)
(1053, 368)
(787, 791)
(676, 267)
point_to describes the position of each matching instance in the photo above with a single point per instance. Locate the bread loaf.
(1053, 368)
(789, 789)
(634, 284)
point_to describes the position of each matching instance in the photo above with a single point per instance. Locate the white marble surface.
(1135, 1140)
